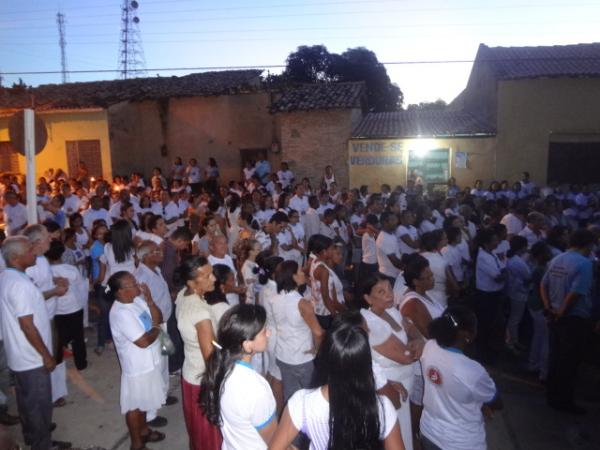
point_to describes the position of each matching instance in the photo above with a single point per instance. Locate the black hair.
(279, 217)
(582, 238)
(268, 264)
(217, 295)
(152, 222)
(51, 226)
(329, 212)
(485, 236)
(414, 265)
(186, 271)
(347, 369)
(182, 234)
(284, 276)
(74, 217)
(385, 216)
(121, 240)
(313, 201)
(372, 219)
(114, 283)
(368, 284)
(431, 240)
(239, 324)
(319, 242)
(540, 251)
(445, 328)
(517, 244)
(233, 202)
(554, 237)
(55, 251)
(69, 233)
(453, 233)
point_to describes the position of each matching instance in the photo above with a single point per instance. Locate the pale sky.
(195, 33)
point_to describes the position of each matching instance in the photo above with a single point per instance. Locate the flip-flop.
(154, 436)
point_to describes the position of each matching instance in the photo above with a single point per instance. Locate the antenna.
(131, 53)
(62, 41)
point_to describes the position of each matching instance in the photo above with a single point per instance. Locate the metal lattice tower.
(131, 53)
(62, 41)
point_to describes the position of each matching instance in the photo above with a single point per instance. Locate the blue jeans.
(103, 324)
(34, 399)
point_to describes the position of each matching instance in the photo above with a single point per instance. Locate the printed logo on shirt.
(434, 375)
(146, 320)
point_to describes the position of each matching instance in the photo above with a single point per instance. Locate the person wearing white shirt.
(490, 278)
(457, 388)
(169, 211)
(533, 232)
(453, 254)
(96, 212)
(51, 288)
(311, 218)
(299, 200)
(27, 335)
(15, 214)
(326, 228)
(527, 186)
(119, 254)
(388, 255)
(444, 283)
(193, 174)
(356, 418)
(218, 255)
(285, 175)
(69, 307)
(135, 327)
(148, 272)
(518, 287)
(240, 403)
(368, 264)
(72, 201)
(478, 190)
(407, 234)
(514, 221)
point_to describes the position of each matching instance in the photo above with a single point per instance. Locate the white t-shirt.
(455, 389)
(299, 204)
(309, 412)
(369, 249)
(91, 215)
(412, 232)
(128, 323)
(247, 405)
(41, 275)
(76, 296)
(71, 204)
(294, 338)
(387, 244)
(438, 266)
(285, 177)
(19, 297)
(512, 223)
(453, 256)
(193, 174)
(487, 269)
(158, 288)
(112, 266)
(14, 217)
(145, 236)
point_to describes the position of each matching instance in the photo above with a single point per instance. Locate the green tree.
(314, 64)
(439, 104)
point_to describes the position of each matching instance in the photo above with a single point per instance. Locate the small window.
(9, 158)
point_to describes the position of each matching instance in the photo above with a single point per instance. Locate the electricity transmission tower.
(62, 41)
(131, 53)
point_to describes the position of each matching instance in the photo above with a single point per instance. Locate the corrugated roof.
(416, 123)
(320, 96)
(509, 63)
(106, 93)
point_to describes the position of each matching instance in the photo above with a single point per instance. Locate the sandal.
(153, 436)
(60, 403)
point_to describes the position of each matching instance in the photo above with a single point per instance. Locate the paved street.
(91, 417)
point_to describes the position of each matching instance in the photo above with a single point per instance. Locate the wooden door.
(9, 158)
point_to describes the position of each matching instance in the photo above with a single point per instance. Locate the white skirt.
(145, 392)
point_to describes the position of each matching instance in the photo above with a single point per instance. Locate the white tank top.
(434, 308)
(315, 287)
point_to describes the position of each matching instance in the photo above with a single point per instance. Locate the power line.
(315, 14)
(279, 66)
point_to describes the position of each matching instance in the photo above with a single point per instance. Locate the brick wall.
(311, 140)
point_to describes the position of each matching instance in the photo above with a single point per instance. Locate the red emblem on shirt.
(434, 375)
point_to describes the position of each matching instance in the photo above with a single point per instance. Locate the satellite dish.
(134, 4)
(136, 20)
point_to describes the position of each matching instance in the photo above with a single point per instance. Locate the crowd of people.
(294, 313)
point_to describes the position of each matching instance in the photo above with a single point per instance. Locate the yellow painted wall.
(530, 112)
(67, 126)
(376, 161)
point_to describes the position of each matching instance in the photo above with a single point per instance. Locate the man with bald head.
(28, 341)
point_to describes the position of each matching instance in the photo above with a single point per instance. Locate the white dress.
(142, 385)
(265, 298)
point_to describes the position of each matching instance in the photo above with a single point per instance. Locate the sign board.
(432, 166)
(16, 127)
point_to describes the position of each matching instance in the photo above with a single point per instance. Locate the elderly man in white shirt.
(28, 342)
(51, 288)
(95, 212)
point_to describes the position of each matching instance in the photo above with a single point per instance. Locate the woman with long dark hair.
(196, 323)
(458, 390)
(119, 252)
(233, 396)
(345, 412)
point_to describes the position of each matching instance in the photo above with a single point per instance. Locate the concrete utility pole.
(29, 122)
(62, 41)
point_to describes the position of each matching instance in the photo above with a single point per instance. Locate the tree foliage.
(315, 64)
(439, 104)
